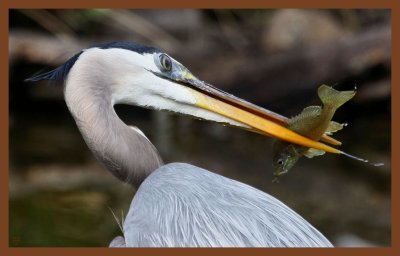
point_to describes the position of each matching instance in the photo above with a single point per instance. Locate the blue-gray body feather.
(180, 205)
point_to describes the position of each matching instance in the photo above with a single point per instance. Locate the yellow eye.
(166, 62)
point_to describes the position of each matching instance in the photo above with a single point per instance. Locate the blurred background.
(61, 196)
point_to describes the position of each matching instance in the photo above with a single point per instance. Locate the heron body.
(176, 205)
(183, 205)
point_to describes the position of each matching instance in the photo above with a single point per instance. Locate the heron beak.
(258, 119)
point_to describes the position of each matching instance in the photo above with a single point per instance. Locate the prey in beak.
(253, 118)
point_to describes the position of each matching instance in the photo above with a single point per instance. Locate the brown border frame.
(5, 5)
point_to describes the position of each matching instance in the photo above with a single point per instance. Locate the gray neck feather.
(127, 154)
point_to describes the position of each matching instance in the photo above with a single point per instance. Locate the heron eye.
(166, 62)
(280, 162)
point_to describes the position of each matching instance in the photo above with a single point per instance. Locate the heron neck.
(127, 154)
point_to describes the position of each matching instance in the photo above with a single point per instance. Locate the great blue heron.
(177, 204)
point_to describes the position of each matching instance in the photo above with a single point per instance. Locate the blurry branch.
(303, 67)
(51, 50)
(137, 24)
(40, 48)
(231, 31)
(50, 22)
(375, 90)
